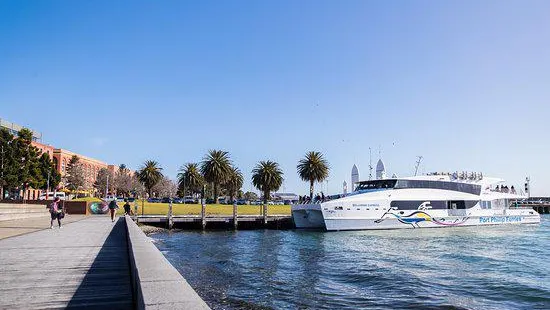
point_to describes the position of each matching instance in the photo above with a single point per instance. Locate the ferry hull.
(308, 216)
(337, 224)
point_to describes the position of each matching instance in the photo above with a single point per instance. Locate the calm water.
(504, 267)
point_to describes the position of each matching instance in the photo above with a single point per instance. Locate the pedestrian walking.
(56, 212)
(127, 208)
(112, 209)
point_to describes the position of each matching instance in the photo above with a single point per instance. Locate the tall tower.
(354, 177)
(380, 170)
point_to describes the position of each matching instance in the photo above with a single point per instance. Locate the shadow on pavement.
(107, 284)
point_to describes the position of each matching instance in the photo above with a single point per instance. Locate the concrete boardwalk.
(17, 227)
(83, 265)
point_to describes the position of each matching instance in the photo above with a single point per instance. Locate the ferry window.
(415, 204)
(377, 184)
(456, 204)
(451, 186)
(485, 205)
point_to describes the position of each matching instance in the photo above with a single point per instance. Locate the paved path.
(17, 227)
(83, 265)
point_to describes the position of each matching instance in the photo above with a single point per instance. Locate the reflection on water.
(502, 267)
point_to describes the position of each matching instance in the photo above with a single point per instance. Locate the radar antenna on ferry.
(417, 164)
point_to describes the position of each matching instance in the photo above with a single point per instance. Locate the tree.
(190, 179)
(165, 188)
(250, 196)
(313, 168)
(122, 168)
(104, 176)
(25, 161)
(23, 165)
(234, 182)
(123, 181)
(149, 175)
(267, 177)
(8, 171)
(48, 172)
(75, 177)
(138, 189)
(216, 167)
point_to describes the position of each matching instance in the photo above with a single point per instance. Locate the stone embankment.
(10, 211)
(157, 284)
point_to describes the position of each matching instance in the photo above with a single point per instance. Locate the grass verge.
(211, 210)
(150, 208)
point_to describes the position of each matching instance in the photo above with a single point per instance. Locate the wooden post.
(203, 213)
(136, 210)
(170, 219)
(235, 221)
(265, 213)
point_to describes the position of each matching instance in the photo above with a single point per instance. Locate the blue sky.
(466, 84)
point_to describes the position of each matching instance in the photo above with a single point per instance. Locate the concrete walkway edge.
(156, 283)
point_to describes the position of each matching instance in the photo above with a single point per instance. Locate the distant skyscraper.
(380, 170)
(354, 177)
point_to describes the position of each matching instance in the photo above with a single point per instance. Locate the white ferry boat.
(437, 200)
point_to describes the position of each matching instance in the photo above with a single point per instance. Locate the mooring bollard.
(135, 210)
(203, 214)
(235, 221)
(170, 217)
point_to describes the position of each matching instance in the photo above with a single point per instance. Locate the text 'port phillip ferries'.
(434, 200)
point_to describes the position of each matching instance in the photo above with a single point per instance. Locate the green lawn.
(195, 209)
(87, 199)
(213, 209)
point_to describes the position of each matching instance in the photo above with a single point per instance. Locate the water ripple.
(502, 267)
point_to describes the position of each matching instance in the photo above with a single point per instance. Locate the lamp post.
(170, 219)
(48, 185)
(107, 186)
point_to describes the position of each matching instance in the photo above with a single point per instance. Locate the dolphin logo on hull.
(418, 216)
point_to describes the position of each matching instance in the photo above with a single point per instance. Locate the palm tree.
(267, 177)
(216, 167)
(122, 169)
(149, 175)
(190, 178)
(313, 168)
(234, 182)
